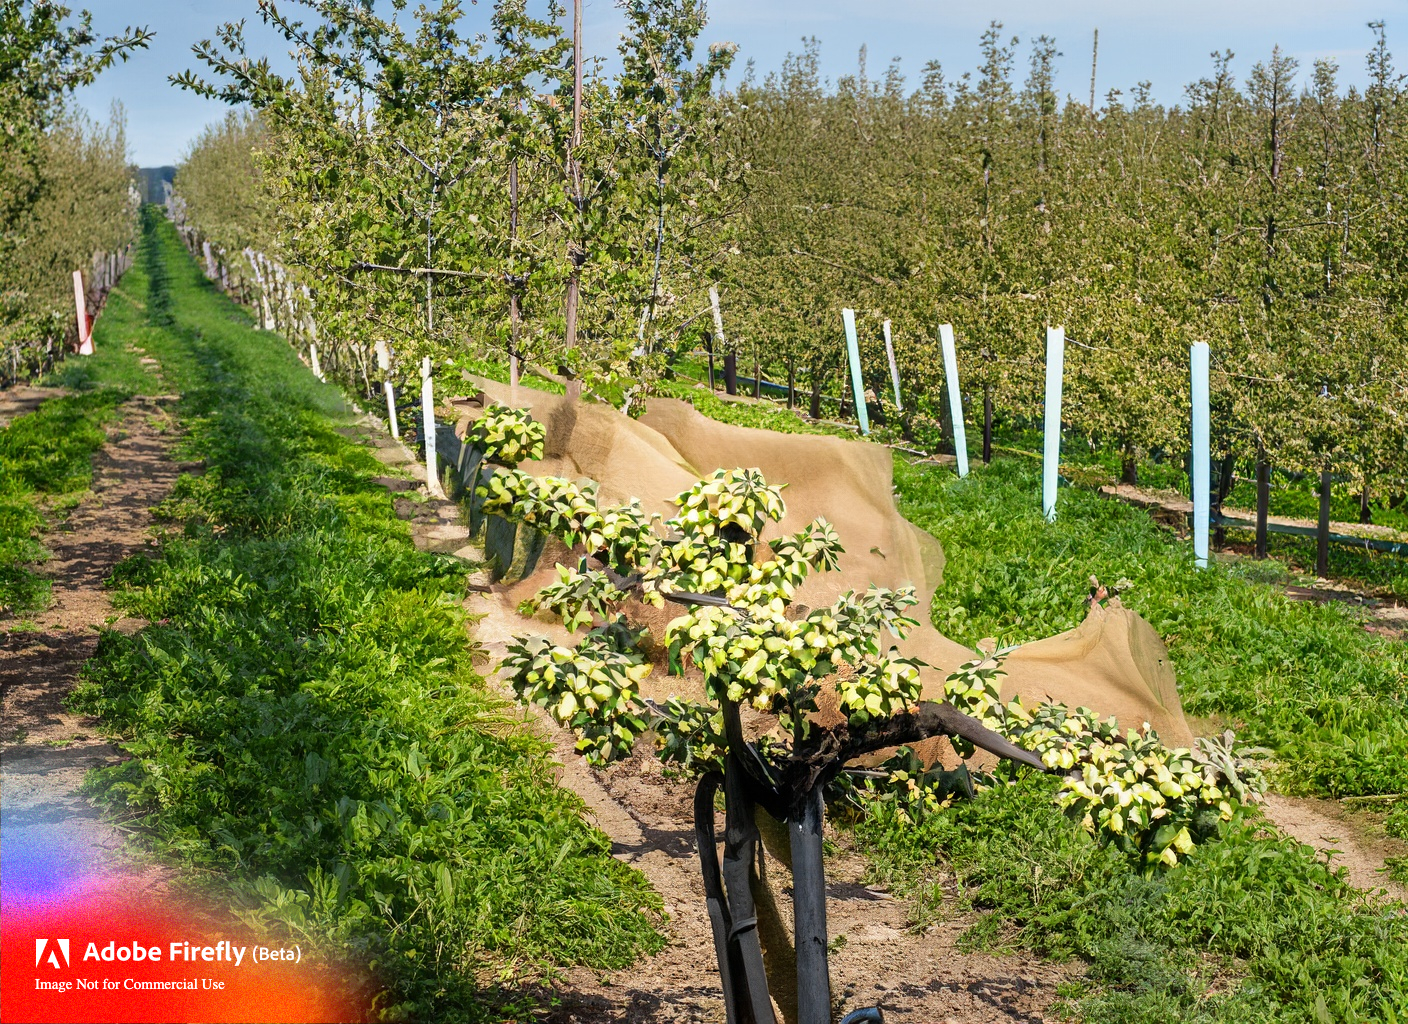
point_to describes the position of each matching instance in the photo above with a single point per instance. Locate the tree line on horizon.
(450, 194)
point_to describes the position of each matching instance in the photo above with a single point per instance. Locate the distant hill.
(149, 181)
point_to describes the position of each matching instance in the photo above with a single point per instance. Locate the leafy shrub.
(1152, 802)
(742, 640)
(506, 436)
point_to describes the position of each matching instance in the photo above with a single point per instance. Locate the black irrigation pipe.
(1389, 547)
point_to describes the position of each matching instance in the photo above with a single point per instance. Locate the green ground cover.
(304, 724)
(1306, 680)
(1252, 927)
(46, 455)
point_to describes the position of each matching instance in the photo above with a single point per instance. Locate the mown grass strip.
(46, 456)
(302, 716)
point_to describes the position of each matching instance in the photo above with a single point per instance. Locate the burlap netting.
(1113, 663)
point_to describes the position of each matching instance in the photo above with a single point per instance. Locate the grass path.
(305, 727)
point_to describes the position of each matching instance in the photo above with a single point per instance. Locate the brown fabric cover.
(1113, 663)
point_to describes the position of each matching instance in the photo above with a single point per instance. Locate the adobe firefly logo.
(62, 947)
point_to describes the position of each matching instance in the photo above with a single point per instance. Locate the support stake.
(85, 329)
(955, 398)
(894, 369)
(1051, 453)
(1202, 470)
(427, 404)
(848, 317)
(383, 362)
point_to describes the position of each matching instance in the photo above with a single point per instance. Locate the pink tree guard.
(85, 329)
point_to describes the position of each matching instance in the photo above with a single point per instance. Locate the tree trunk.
(791, 382)
(1129, 467)
(815, 407)
(1224, 488)
(575, 252)
(1263, 500)
(757, 378)
(731, 372)
(987, 424)
(1322, 530)
(1366, 513)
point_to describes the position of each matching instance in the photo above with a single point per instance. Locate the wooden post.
(730, 360)
(1263, 500)
(427, 403)
(1322, 529)
(1051, 452)
(848, 318)
(80, 303)
(894, 370)
(955, 397)
(1201, 469)
(987, 424)
(383, 362)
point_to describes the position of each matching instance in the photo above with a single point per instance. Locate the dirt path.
(648, 817)
(1351, 842)
(21, 399)
(51, 834)
(877, 959)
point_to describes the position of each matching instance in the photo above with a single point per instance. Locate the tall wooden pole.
(576, 253)
(513, 313)
(1322, 528)
(1094, 53)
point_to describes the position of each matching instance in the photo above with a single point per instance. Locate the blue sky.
(1167, 44)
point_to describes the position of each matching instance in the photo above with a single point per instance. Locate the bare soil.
(878, 958)
(1352, 840)
(21, 399)
(46, 750)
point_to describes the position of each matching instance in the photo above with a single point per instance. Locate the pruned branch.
(828, 750)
